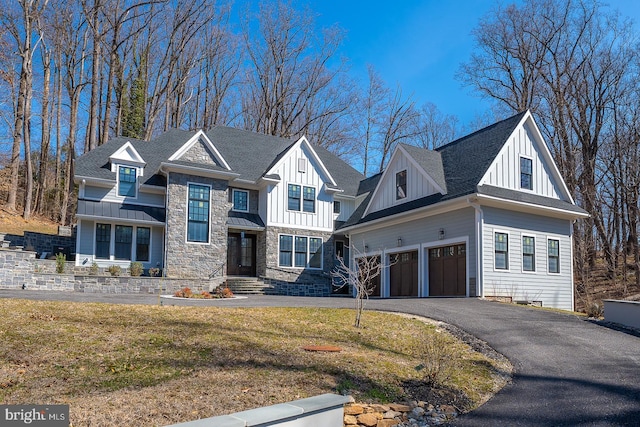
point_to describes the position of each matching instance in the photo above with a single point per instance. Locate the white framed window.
(336, 207)
(553, 253)
(528, 253)
(240, 200)
(198, 203)
(401, 185)
(126, 239)
(309, 199)
(501, 251)
(103, 241)
(300, 251)
(143, 241)
(526, 173)
(294, 197)
(127, 181)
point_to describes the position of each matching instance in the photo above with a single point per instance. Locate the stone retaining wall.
(42, 242)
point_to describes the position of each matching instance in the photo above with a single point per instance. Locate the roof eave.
(172, 167)
(518, 206)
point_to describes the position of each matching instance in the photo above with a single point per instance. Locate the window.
(315, 252)
(502, 251)
(286, 250)
(336, 207)
(124, 234)
(300, 251)
(554, 256)
(401, 185)
(528, 253)
(126, 181)
(103, 240)
(294, 197)
(300, 259)
(526, 173)
(309, 200)
(143, 235)
(240, 200)
(198, 216)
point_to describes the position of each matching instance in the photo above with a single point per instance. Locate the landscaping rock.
(350, 420)
(368, 420)
(353, 410)
(410, 414)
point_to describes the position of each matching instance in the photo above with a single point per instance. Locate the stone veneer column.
(185, 259)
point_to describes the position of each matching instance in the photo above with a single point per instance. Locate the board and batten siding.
(553, 289)
(417, 184)
(278, 213)
(422, 234)
(347, 207)
(505, 169)
(105, 194)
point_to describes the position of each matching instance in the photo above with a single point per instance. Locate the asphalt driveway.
(568, 371)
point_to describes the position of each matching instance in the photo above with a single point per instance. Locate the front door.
(241, 255)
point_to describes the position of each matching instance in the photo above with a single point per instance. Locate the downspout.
(166, 225)
(81, 191)
(479, 222)
(573, 285)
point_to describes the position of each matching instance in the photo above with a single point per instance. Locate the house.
(486, 215)
(227, 202)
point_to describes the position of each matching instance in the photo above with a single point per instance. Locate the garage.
(448, 271)
(403, 274)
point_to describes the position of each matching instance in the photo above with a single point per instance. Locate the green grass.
(153, 365)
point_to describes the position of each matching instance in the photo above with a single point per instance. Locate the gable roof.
(249, 156)
(431, 163)
(464, 163)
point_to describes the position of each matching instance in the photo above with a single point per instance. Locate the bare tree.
(398, 124)
(435, 128)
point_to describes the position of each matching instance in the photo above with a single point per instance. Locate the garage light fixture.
(399, 241)
(441, 234)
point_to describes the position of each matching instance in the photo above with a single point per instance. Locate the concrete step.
(247, 286)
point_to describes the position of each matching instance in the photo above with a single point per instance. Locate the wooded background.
(74, 74)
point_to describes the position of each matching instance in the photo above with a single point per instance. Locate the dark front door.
(241, 255)
(448, 271)
(403, 274)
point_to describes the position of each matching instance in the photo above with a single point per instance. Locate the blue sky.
(419, 44)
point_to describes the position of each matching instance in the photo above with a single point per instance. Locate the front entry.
(403, 274)
(448, 271)
(241, 255)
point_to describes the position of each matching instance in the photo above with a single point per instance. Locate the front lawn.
(156, 365)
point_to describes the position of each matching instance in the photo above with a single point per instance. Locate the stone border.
(202, 299)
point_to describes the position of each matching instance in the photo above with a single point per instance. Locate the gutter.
(479, 225)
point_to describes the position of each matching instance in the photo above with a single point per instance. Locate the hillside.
(13, 223)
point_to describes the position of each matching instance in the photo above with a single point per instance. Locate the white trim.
(559, 240)
(535, 253)
(424, 249)
(301, 210)
(386, 289)
(137, 161)
(112, 243)
(95, 182)
(301, 227)
(197, 171)
(297, 144)
(529, 207)
(107, 219)
(519, 182)
(233, 199)
(405, 199)
(193, 141)
(494, 231)
(186, 217)
(117, 195)
(293, 252)
(421, 169)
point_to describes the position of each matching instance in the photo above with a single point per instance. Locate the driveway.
(568, 371)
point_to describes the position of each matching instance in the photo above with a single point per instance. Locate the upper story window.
(241, 200)
(198, 215)
(401, 185)
(309, 199)
(526, 174)
(501, 251)
(294, 197)
(336, 206)
(528, 253)
(126, 181)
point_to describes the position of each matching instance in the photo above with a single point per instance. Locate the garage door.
(448, 271)
(373, 284)
(403, 274)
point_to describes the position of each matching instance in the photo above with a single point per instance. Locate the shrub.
(60, 260)
(154, 272)
(114, 270)
(439, 357)
(184, 293)
(594, 309)
(223, 292)
(93, 270)
(136, 269)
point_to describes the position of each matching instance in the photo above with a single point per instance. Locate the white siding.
(505, 170)
(278, 213)
(111, 195)
(347, 206)
(459, 227)
(554, 290)
(417, 184)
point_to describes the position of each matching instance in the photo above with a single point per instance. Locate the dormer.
(412, 173)
(199, 149)
(128, 166)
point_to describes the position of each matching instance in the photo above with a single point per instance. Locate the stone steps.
(247, 286)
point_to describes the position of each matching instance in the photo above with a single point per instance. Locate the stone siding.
(254, 199)
(200, 153)
(195, 260)
(42, 242)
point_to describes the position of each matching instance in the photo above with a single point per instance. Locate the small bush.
(439, 357)
(223, 292)
(594, 309)
(136, 269)
(154, 272)
(114, 270)
(60, 260)
(184, 293)
(93, 270)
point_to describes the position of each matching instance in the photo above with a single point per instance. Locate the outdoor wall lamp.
(399, 241)
(441, 234)
(366, 248)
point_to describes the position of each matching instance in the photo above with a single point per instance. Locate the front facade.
(486, 215)
(217, 204)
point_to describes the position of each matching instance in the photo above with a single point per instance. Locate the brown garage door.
(403, 274)
(373, 285)
(448, 271)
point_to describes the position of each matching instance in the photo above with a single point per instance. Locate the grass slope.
(153, 365)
